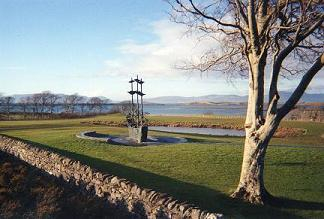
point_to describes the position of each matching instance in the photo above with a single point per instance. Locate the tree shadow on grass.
(205, 141)
(288, 164)
(201, 196)
(201, 138)
(36, 126)
(283, 202)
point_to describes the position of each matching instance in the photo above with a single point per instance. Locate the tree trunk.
(8, 111)
(251, 187)
(24, 109)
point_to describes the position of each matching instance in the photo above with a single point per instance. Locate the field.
(203, 171)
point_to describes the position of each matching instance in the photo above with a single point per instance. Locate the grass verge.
(203, 171)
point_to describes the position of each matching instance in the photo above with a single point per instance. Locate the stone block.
(138, 134)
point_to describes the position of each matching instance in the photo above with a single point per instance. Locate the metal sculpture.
(137, 123)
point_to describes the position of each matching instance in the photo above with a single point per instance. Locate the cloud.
(158, 58)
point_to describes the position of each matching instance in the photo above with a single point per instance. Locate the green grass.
(203, 171)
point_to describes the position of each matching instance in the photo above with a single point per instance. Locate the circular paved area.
(120, 140)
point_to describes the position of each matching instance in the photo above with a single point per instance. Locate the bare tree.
(284, 36)
(96, 104)
(105, 101)
(124, 107)
(29, 101)
(70, 102)
(1, 104)
(36, 102)
(90, 104)
(44, 101)
(52, 100)
(82, 104)
(24, 103)
(8, 103)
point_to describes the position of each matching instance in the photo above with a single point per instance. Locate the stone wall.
(144, 203)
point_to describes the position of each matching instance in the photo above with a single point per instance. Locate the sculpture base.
(139, 134)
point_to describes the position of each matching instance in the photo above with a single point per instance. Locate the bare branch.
(197, 10)
(299, 91)
(239, 5)
(253, 27)
(286, 51)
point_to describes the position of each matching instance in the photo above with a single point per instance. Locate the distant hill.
(208, 99)
(198, 99)
(228, 98)
(200, 103)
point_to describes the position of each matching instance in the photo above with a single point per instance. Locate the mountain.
(284, 95)
(208, 98)
(307, 97)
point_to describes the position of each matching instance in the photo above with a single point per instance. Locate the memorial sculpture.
(136, 121)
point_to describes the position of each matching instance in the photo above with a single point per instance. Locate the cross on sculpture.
(137, 113)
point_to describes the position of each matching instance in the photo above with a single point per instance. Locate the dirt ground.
(26, 192)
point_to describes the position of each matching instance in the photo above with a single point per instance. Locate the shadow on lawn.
(203, 197)
(201, 138)
(282, 202)
(36, 126)
(289, 164)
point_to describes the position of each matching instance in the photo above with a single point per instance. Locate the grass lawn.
(203, 171)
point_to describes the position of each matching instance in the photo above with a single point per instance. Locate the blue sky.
(92, 47)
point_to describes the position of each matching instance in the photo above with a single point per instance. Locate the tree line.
(48, 104)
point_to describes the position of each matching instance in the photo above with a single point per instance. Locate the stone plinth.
(139, 134)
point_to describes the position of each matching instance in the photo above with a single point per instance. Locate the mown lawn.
(203, 171)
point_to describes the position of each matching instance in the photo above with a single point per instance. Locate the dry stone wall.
(144, 203)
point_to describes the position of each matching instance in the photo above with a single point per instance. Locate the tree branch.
(241, 10)
(253, 27)
(299, 91)
(285, 52)
(210, 17)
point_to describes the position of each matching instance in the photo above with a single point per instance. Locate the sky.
(93, 47)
